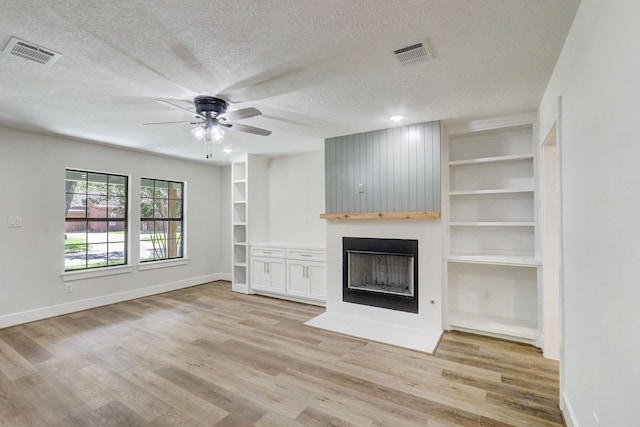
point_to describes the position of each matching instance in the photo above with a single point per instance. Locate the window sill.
(152, 265)
(69, 276)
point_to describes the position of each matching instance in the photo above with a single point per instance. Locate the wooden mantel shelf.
(381, 215)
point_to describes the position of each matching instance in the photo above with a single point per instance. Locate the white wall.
(296, 199)
(598, 78)
(32, 168)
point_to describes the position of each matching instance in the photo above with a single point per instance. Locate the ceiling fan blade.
(172, 105)
(248, 129)
(244, 113)
(170, 123)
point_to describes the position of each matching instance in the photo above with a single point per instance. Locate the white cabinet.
(289, 271)
(268, 270)
(307, 274)
(491, 245)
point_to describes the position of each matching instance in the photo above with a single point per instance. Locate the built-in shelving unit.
(239, 228)
(491, 252)
(248, 185)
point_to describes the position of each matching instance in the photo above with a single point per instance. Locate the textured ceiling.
(314, 68)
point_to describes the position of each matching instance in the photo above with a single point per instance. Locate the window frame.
(178, 221)
(87, 219)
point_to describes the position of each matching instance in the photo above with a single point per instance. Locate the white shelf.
(496, 159)
(240, 181)
(515, 260)
(494, 324)
(240, 264)
(240, 243)
(491, 269)
(239, 223)
(240, 201)
(492, 224)
(491, 191)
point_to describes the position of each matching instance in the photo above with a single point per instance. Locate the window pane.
(97, 255)
(174, 209)
(161, 208)
(97, 207)
(117, 261)
(116, 231)
(76, 206)
(146, 207)
(174, 248)
(97, 232)
(162, 189)
(116, 189)
(116, 253)
(75, 229)
(72, 175)
(117, 207)
(175, 190)
(75, 256)
(97, 183)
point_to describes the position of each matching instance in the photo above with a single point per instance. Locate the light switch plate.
(14, 221)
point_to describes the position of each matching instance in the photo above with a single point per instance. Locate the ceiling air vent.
(32, 52)
(414, 52)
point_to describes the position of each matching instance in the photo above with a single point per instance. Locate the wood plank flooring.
(205, 356)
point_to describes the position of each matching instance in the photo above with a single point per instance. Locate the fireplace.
(380, 273)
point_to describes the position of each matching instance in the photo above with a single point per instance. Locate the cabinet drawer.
(309, 255)
(267, 252)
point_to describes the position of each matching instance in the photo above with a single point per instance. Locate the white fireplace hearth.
(419, 331)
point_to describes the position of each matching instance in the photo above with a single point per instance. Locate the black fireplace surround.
(403, 297)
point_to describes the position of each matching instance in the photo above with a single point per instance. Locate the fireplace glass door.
(379, 272)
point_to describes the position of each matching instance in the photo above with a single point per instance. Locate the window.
(95, 220)
(161, 219)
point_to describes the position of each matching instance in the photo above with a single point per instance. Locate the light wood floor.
(207, 356)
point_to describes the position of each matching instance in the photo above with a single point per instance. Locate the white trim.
(461, 127)
(567, 411)
(152, 265)
(69, 276)
(71, 307)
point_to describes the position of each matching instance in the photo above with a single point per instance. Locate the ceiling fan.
(212, 118)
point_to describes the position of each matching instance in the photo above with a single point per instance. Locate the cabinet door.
(317, 277)
(276, 272)
(297, 281)
(259, 275)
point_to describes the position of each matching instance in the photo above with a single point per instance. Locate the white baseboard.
(71, 307)
(567, 411)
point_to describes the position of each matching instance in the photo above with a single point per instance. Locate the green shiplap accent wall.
(399, 167)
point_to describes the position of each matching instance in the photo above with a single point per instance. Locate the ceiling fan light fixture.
(215, 134)
(199, 132)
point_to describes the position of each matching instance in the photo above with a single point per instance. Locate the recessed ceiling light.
(396, 118)
(227, 150)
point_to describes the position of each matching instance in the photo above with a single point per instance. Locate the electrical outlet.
(68, 287)
(487, 295)
(596, 421)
